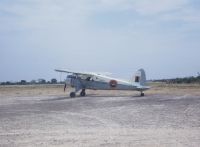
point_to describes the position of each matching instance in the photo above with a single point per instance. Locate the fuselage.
(101, 82)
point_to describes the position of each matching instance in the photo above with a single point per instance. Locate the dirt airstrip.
(43, 115)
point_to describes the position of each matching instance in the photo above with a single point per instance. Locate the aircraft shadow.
(57, 99)
(101, 96)
(90, 96)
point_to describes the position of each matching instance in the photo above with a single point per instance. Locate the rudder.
(140, 77)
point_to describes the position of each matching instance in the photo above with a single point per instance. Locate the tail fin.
(140, 77)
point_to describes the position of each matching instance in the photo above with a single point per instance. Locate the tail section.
(140, 77)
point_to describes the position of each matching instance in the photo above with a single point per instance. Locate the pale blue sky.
(118, 36)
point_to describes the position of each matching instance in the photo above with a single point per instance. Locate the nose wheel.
(142, 94)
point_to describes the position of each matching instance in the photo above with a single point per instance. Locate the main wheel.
(82, 93)
(142, 94)
(72, 94)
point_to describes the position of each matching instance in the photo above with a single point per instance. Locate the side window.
(88, 78)
(137, 78)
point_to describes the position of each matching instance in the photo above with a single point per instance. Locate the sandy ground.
(168, 115)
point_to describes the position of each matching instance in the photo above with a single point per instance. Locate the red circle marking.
(113, 83)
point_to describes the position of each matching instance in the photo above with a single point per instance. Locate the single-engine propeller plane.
(96, 81)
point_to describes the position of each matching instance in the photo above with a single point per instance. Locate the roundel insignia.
(113, 83)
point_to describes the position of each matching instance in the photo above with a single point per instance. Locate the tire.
(82, 93)
(142, 94)
(72, 94)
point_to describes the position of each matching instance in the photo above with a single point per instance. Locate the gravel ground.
(44, 116)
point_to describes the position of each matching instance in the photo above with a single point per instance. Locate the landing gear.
(72, 94)
(83, 93)
(142, 93)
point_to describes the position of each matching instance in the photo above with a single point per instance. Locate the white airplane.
(95, 81)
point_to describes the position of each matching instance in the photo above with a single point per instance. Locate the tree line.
(185, 80)
(32, 82)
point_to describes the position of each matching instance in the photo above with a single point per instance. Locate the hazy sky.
(118, 36)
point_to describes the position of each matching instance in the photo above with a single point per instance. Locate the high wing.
(84, 73)
(76, 73)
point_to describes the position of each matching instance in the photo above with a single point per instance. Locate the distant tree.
(198, 79)
(53, 81)
(33, 82)
(41, 81)
(8, 83)
(23, 82)
(3, 83)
